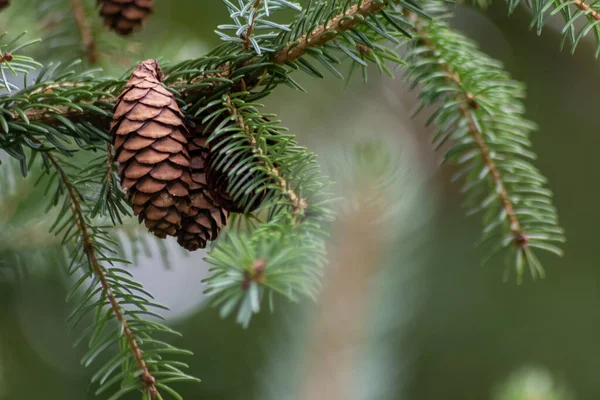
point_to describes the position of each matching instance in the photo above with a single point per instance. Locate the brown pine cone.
(4, 4)
(125, 16)
(204, 219)
(150, 139)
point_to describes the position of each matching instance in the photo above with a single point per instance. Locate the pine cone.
(205, 219)
(125, 16)
(4, 4)
(150, 139)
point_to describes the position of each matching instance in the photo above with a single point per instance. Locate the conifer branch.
(468, 102)
(90, 250)
(290, 52)
(489, 140)
(85, 31)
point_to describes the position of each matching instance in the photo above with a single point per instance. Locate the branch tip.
(85, 31)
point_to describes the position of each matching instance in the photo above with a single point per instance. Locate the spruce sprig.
(481, 116)
(120, 305)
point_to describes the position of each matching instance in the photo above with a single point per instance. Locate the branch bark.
(584, 7)
(325, 33)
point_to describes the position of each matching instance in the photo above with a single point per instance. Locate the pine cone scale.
(134, 143)
(165, 172)
(136, 170)
(135, 93)
(141, 112)
(151, 156)
(127, 127)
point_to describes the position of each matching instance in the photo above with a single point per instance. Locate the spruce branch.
(90, 250)
(140, 363)
(85, 31)
(480, 114)
(210, 80)
(467, 103)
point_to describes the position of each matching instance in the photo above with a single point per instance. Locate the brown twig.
(298, 203)
(90, 251)
(325, 33)
(248, 34)
(468, 104)
(584, 7)
(85, 31)
(109, 162)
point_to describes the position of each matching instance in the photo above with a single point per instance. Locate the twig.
(468, 104)
(85, 31)
(90, 251)
(325, 33)
(248, 34)
(584, 7)
(109, 162)
(298, 203)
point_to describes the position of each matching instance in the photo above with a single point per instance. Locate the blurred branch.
(85, 31)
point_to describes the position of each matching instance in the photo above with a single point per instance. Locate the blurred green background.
(408, 312)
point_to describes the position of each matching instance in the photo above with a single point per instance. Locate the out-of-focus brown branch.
(85, 31)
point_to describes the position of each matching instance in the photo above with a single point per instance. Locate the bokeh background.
(407, 310)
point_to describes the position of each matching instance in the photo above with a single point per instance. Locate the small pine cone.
(150, 139)
(125, 16)
(4, 4)
(218, 182)
(205, 219)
